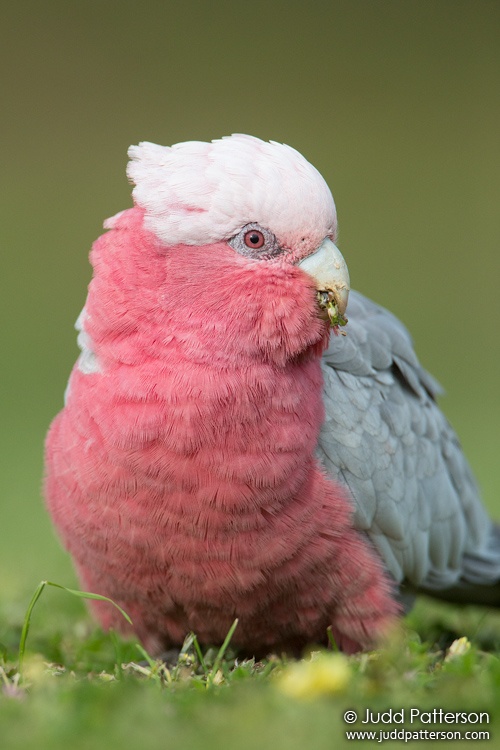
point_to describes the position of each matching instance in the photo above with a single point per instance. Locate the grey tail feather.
(480, 581)
(483, 595)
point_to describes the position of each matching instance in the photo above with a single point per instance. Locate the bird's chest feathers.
(191, 439)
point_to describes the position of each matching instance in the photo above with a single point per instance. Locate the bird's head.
(248, 232)
(265, 199)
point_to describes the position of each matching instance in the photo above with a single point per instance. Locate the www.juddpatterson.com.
(414, 715)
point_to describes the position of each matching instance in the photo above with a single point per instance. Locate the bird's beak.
(329, 271)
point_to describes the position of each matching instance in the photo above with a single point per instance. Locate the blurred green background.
(395, 102)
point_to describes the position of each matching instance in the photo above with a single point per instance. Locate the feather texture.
(181, 473)
(220, 455)
(385, 438)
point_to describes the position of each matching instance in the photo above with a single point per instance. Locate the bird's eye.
(254, 239)
(256, 242)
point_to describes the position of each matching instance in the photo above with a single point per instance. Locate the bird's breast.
(186, 455)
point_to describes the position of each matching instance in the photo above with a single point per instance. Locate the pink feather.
(181, 474)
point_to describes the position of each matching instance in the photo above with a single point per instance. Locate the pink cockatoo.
(220, 454)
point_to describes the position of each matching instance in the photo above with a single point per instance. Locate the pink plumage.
(181, 473)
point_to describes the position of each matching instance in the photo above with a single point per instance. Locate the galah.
(223, 452)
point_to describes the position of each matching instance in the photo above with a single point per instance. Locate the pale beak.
(329, 271)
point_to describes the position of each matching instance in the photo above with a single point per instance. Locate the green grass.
(81, 688)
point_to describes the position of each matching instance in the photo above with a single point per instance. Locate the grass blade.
(88, 595)
(35, 598)
(222, 651)
(27, 621)
(151, 662)
(199, 654)
(331, 640)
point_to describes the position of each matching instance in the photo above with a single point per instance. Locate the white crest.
(197, 193)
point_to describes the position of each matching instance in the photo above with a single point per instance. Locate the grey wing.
(385, 438)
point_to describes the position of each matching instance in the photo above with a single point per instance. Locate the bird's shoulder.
(376, 341)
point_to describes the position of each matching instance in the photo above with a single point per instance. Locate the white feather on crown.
(197, 193)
